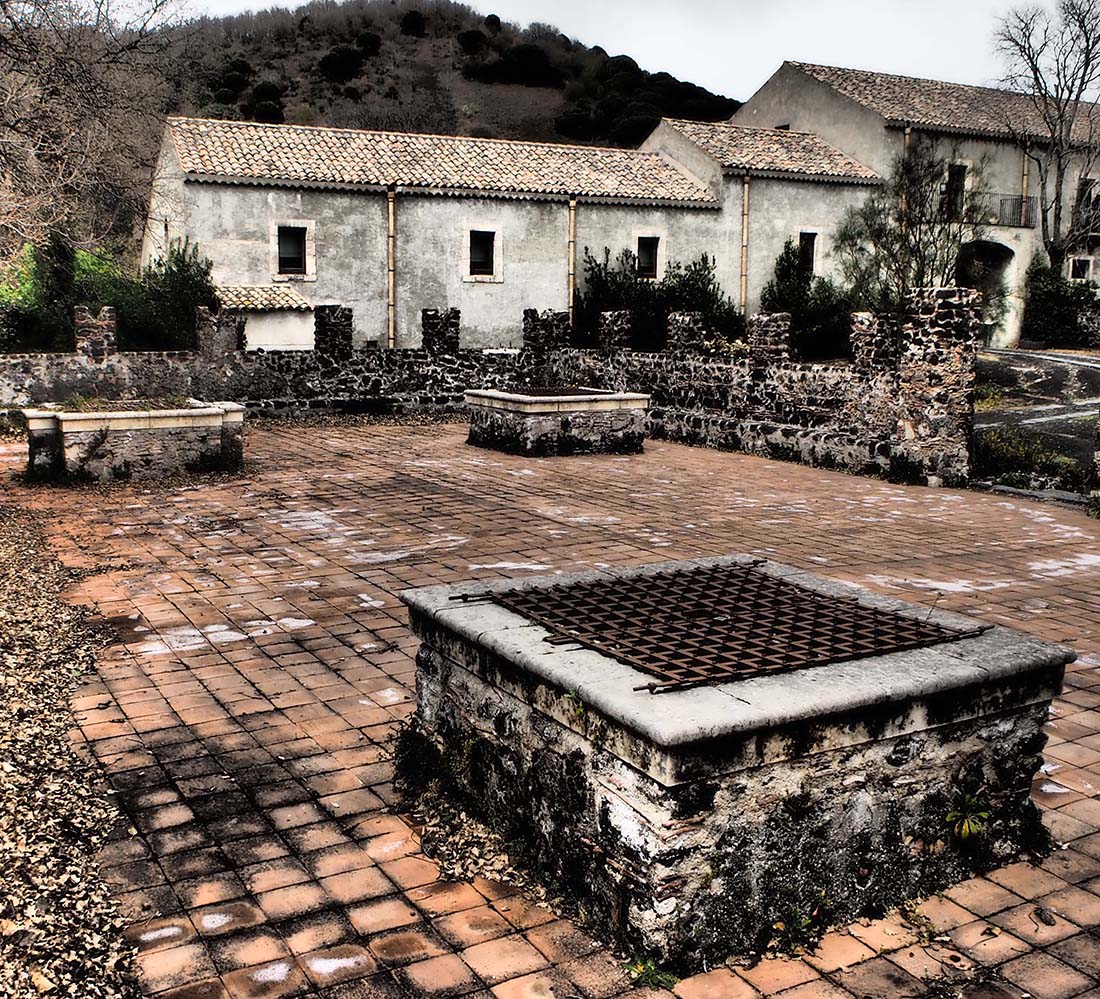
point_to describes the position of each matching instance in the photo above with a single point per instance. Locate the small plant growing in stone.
(647, 974)
(798, 928)
(968, 816)
(574, 705)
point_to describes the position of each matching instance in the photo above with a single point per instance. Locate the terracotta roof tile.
(261, 298)
(294, 154)
(773, 150)
(934, 104)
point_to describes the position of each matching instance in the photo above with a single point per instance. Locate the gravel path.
(60, 929)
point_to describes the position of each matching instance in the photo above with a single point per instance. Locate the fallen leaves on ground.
(60, 928)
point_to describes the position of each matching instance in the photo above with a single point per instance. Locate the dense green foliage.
(1054, 306)
(155, 311)
(821, 312)
(432, 67)
(692, 287)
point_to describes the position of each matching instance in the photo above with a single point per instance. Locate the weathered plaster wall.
(684, 235)
(779, 210)
(432, 265)
(279, 330)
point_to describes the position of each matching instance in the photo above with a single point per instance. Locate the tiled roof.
(773, 151)
(261, 298)
(953, 107)
(294, 154)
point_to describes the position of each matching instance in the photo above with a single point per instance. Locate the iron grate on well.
(718, 623)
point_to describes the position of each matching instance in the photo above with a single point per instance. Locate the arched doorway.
(984, 265)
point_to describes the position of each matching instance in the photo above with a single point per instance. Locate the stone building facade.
(874, 117)
(388, 223)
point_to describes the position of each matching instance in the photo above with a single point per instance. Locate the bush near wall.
(156, 311)
(1059, 312)
(821, 312)
(614, 286)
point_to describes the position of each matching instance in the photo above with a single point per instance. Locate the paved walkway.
(246, 715)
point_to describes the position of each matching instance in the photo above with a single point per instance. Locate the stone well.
(813, 782)
(558, 421)
(133, 442)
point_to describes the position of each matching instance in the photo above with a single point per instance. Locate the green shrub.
(684, 288)
(1053, 307)
(413, 24)
(1012, 458)
(154, 312)
(821, 312)
(341, 64)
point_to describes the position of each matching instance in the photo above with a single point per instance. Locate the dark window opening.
(785, 127)
(482, 252)
(1079, 269)
(954, 192)
(807, 249)
(1086, 202)
(647, 256)
(292, 249)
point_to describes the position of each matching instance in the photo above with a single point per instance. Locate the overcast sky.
(732, 46)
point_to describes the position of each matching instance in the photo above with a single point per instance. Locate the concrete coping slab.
(196, 413)
(680, 718)
(584, 399)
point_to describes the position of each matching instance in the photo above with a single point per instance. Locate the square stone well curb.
(574, 421)
(690, 824)
(133, 444)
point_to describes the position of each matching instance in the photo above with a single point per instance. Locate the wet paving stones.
(245, 718)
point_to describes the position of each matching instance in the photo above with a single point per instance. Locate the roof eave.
(454, 192)
(731, 169)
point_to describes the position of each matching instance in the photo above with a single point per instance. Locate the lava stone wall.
(902, 407)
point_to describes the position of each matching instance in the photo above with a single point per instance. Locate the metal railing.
(1006, 209)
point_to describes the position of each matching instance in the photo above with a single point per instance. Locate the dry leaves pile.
(60, 929)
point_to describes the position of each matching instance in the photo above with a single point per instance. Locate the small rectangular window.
(1079, 268)
(292, 249)
(807, 251)
(785, 127)
(647, 256)
(482, 253)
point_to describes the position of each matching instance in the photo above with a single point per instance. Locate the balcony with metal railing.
(1006, 209)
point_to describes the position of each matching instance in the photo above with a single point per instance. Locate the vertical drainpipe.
(1025, 182)
(572, 279)
(745, 245)
(391, 234)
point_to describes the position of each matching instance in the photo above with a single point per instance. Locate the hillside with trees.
(429, 67)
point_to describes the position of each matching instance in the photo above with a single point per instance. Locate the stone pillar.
(769, 336)
(96, 336)
(332, 331)
(874, 342)
(614, 330)
(216, 335)
(546, 330)
(685, 332)
(938, 349)
(439, 331)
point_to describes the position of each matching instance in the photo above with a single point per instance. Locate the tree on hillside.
(78, 110)
(1053, 56)
(908, 234)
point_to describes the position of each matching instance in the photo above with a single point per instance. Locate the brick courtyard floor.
(246, 715)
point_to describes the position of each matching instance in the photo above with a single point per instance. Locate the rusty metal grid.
(718, 623)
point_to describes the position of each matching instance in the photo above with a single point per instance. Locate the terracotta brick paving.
(245, 717)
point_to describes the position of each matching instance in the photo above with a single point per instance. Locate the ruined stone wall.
(901, 407)
(96, 336)
(1094, 484)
